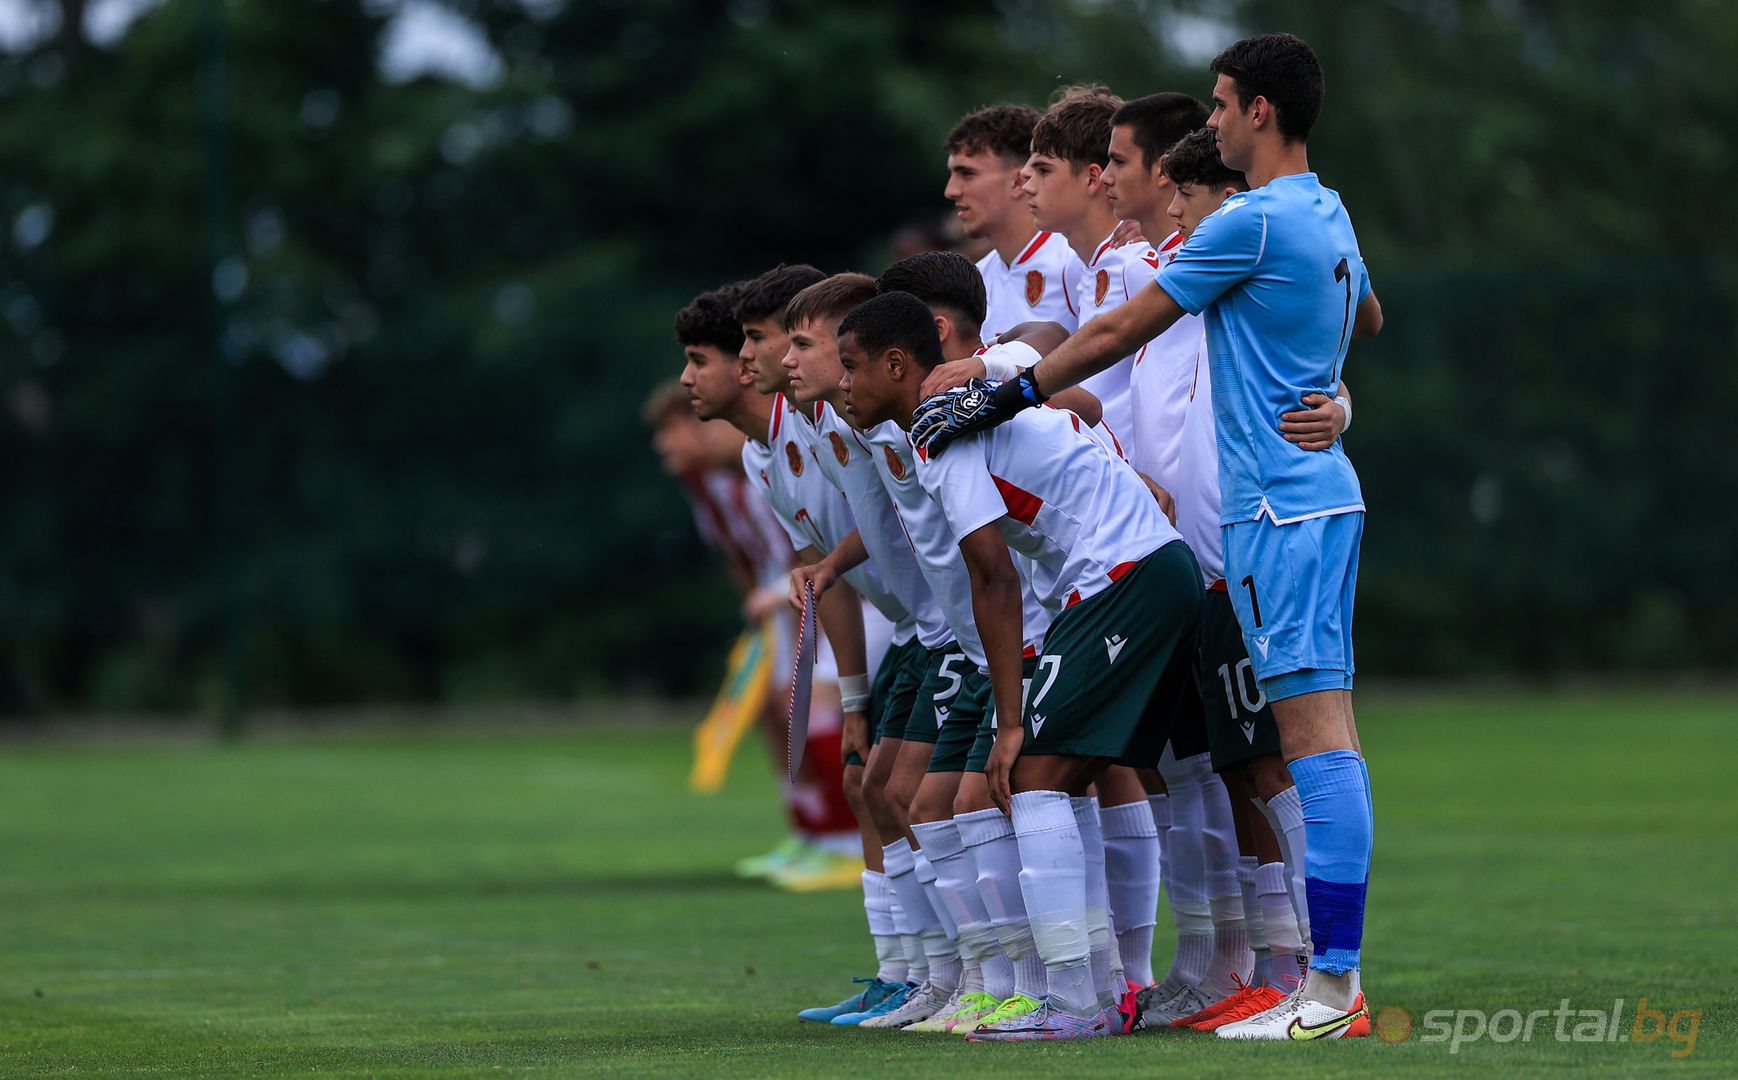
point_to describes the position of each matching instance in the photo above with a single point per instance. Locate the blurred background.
(325, 324)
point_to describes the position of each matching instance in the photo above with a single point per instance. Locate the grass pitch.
(499, 903)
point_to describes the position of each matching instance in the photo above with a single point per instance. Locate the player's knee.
(1268, 775)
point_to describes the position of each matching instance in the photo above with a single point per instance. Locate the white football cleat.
(1300, 1019)
(923, 1003)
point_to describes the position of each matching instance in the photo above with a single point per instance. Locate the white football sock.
(1285, 814)
(956, 883)
(1101, 946)
(916, 967)
(925, 873)
(1253, 921)
(1131, 872)
(1186, 875)
(988, 837)
(1053, 881)
(1284, 938)
(899, 863)
(878, 906)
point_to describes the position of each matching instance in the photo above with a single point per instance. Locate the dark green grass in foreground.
(489, 904)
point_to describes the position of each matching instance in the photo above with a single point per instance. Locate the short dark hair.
(1159, 120)
(1005, 130)
(895, 320)
(1282, 69)
(944, 279)
(710, 319)
(830, 299)
(1076, 127)
(1195, 160)
(765, 297)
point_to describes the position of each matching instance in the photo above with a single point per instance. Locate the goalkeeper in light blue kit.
(1278, 275)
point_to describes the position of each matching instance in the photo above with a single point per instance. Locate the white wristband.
(1004, 361)
(854, 693)
(1345, 403)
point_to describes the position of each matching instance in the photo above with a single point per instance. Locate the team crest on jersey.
(795, 457)
(1101, 288)
(840, 450)
(1034, 287)
(894, 465)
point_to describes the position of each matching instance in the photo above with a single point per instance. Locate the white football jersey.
(1040, 285)
(813, 512)
(1197, 489)
(849, 464)
(938, 552)
(1159, 389)
(1112, 275)
(1058, 497)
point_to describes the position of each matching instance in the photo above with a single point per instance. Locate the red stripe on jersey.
(1023, 506)
(778, 420)
(1102, 248)
(1116, 572)
(1032, 248)
(922, 453)
(1030, 653)
(1217, 586)
(1076, 421)
(1073, 598)
(1176, 238)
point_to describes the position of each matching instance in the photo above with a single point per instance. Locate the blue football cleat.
(881, 1008)
(876, 993)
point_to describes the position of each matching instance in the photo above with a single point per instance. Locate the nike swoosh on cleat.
(1303, 1032)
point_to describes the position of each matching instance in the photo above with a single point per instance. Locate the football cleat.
(1253, 1000)
(973, 1008)
(937, 1022)
(880, 1008)
(1129, 1006)
(873, 994)
(789, 850)
(1008, 1009)
(1158, 1012)
(819, 870)
(1301, 1019)
(1051, 1021)
(923, 1003)
(1230, 1001)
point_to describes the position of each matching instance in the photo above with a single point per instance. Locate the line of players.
(1065, 567)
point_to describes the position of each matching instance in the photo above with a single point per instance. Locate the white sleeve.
(959, 481)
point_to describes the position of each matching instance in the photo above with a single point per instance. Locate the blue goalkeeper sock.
(1337, 831)
(1370, 803)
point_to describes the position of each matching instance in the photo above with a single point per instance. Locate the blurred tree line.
(340, 381)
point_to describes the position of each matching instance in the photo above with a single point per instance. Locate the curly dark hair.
(765, 297)
(1195, 160)
(1004, 130)
(710, 319)
(1282, 69)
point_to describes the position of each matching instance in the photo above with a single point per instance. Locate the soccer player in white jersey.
(711, 339)
(1099, 548)
(1029, 274)
(1067, 196)
(1280, 275)
(950, 844)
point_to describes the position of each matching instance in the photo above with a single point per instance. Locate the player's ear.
(1093, 171)
(1260, 112)
(897, 362)
(744, 377)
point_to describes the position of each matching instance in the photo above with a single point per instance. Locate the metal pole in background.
(227, 279)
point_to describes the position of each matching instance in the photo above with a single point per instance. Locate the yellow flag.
(734, 711)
